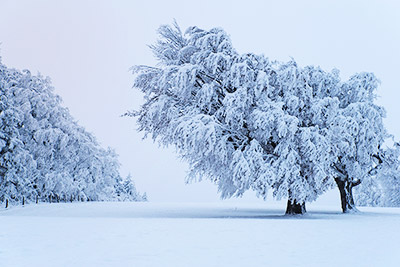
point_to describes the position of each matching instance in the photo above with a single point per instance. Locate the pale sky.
(87, 48)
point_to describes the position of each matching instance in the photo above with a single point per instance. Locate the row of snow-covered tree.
(44, 154)
(250, 123)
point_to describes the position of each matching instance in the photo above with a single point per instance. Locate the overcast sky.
(87, 48)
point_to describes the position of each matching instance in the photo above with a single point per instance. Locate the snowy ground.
(212, 234)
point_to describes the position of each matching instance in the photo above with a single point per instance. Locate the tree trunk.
(6, 203)
(346, 195)
(293, 207)
(23, 201)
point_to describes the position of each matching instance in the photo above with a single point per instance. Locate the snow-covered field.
(211, 234)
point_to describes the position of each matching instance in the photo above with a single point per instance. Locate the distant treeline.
(45, 156)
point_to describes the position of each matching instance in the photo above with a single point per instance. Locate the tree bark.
(6, 203)
(346, 194)
(293, 207)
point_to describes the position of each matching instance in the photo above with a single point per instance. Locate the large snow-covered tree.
(44, 154)
(246, 122)
(239, 119)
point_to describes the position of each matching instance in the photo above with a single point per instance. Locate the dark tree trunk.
(6, 203)
(346, 194)
(293, 207)
(23, 201)
(37, 199)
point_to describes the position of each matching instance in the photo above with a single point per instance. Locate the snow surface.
(196, 234)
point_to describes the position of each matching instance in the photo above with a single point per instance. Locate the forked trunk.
(346, 195)
(293, 207)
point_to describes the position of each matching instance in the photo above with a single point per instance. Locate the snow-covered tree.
(16, 163)
(355, 130)
(382, 186)
(246, 122)
(357, 135)
(241, 120)
(44, 154)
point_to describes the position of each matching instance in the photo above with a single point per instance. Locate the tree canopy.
(247, 122)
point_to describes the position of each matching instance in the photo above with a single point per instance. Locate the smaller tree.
(357, 133)
(382, 186)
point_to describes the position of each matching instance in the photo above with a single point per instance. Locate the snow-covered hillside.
(212, 234)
